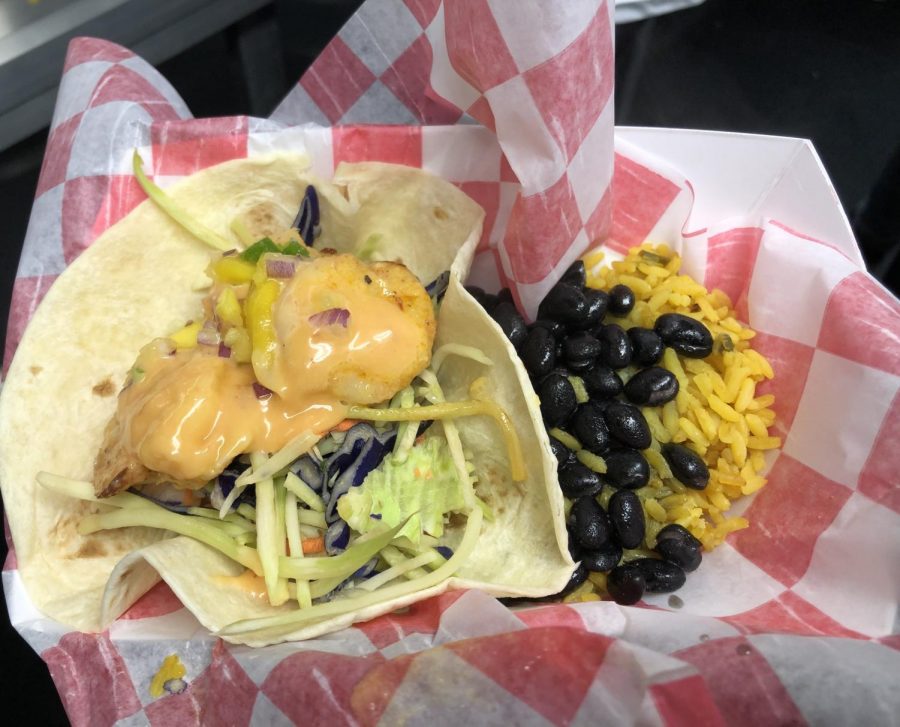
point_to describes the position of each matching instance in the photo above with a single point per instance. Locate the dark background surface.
(828, 71)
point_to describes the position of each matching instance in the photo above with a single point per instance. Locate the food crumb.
(104, 388)
(35, 370)
(170, 673)
(675, 601)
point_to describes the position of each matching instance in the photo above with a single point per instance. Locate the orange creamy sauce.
(192, 412)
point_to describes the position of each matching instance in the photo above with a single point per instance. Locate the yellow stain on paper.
(171, 668)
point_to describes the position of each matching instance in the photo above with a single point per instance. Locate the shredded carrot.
(345, 425)
(188, 498)
(313, 545)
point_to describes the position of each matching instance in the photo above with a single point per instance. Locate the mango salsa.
(233, 270)
(258, 314)
(186, 337)
(228, 309)
(238, 340)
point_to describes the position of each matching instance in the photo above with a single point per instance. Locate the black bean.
(565, 303)
(576, 480)
(579, 576)
(627, 425)
(575, 550)
(689, 469)
(580, 347)
(627, 518)
(684, 334)
(626, 469)
(660, 576)
(621, 300)
(557, 399)
(602, 560)
(602, 382)
(652, 387)
(505, 296)
(560, 451)
(646, 347)
(538, 352)
(575, 273)
(625, 584)
(678, 546)
(597, 302)
(560, 350)
(579, 367)
(486, 300)
(616, 347)
(511, 322)
(589, 523)
(555, 327)
(589, 428)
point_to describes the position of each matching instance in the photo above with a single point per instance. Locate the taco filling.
(328, 333)
(337, 438)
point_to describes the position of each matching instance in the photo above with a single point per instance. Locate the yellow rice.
(717, 412)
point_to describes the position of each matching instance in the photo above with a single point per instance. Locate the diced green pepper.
(253, 253)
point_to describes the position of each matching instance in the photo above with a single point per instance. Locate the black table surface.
(825, 71)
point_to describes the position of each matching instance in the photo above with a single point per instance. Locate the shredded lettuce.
(303, 492)
(269, 534)
(448, 410)
(435, 395)
(285, 622)
(295, 544)
(394, 572)
(423, 489)
(175, 211)
(338, 566)
(406, 432)
(294, 449)
(152, 516)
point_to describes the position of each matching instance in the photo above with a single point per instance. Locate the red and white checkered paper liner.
(776, 624)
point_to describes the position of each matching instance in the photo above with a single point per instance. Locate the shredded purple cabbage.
(337, 537)
(307, 219)
(310, 472)
(437, 287)
(367, 570)
(352, 470)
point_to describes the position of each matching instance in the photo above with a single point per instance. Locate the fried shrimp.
(382, 339)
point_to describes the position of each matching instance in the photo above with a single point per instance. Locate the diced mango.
(233, 270)
(228, 309)
(186, 337)
(238, 340)
(258, 314)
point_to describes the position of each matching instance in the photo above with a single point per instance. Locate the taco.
(310, 426)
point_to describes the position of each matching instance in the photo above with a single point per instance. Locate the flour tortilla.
(139, 281)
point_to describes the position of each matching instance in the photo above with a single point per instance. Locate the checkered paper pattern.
(537, 74)
(768, 628)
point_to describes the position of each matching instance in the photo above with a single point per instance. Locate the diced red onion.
(280, 268)
(261, 391)
(208, 335)
(224, 351)
(331, 317)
